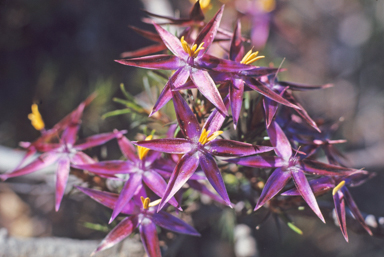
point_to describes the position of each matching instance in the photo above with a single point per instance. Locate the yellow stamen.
(35, 117)
(338, 187)
(204, 136)
(267, 5)
(251, 57)
(193, 52)
(146, 202)
(142, 151)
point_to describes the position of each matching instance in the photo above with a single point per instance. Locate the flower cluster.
(275, 135)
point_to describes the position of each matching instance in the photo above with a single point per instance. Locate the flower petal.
(172, 223)
(158, 185)
(149, 238)
(159, 61)
(274, 184)
(302, 87)
(81, 158)
(280, 141)
(126, 194)
(167, 145)
(121, 231)
(204, 190)
(318, 186)
(270, 109)
(217, 64)
(208, 88)
(224, 147)
(259, 161)
(216, 118)
(107, 167)
(42, 161)
(324, 169)
(96, 140)
(236, 95)
(211, 170)
(127, 148)
(305, 190)
(61, 180)
(172, 42)
(188, 123)
(236, 51)
(182, 172)
(338, 199)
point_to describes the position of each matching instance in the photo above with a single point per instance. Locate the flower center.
(146, 202)
(251, 57)
(191, 51)
(204, 136)
(35, 117)
(142, 151)
(338, 187)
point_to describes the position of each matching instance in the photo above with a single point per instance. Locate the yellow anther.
(35, 117)
(251, 57)
(142, 151)
(338, 187)
(204, 136)
(193, 52)
(146, 202)
(267, 5)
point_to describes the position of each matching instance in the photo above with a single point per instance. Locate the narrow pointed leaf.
(182, 172)
(170, 222)
(160, 61)
(61, 180)
(211, 170)
(149, 238)
(302, 87)
(305, 190)
(274, 184)
(126, 194)
(121, 231)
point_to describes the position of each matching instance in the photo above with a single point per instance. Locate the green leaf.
(115, 113)
(125, 92)
(97, 227)
(294, 228)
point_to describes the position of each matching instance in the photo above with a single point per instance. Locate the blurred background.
(56, 53)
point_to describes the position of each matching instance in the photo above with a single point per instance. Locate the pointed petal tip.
(3, 177)
(257, 207)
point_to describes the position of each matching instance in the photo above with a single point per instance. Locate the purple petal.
(167, 145)
(354, 209)
(172, 223)
(178, 78)
(96, 140)
(259, 161)
(81, 158)
(108, 199)
(126, 194)
(158, 185)
(73, 125)
(216, 118)
(302, 87)
(274, 184)
(182, 172)
(305, 190)
(270, 109)
(42, 161)
(211, 170)
(188, 123)
(324, 169)
(196, 14)
(236, 51)
(204, 190)
(280, 141)
(127, 148)
(224, 147)
(172, 42)
(318, 186)
(61, 180)
(107, 167)
(236, 94)
(31, 151)
(338, 199)
(147, 34)
(208, 88)
(121, 231)
(160, 61)
(217, 64)
(259, 71)
(148, 50)
(149, 238)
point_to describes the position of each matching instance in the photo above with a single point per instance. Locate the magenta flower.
(288, 166)
(66, 153)
(198, 147)
(189, 62)
(142, 216)
(142, 169)
(341, 196)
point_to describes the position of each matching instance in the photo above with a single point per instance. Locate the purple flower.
(288, 166)
(341, 196)
(142, 168)
(66, 153)
(198, 148)
(142, 216)
(189, 62)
